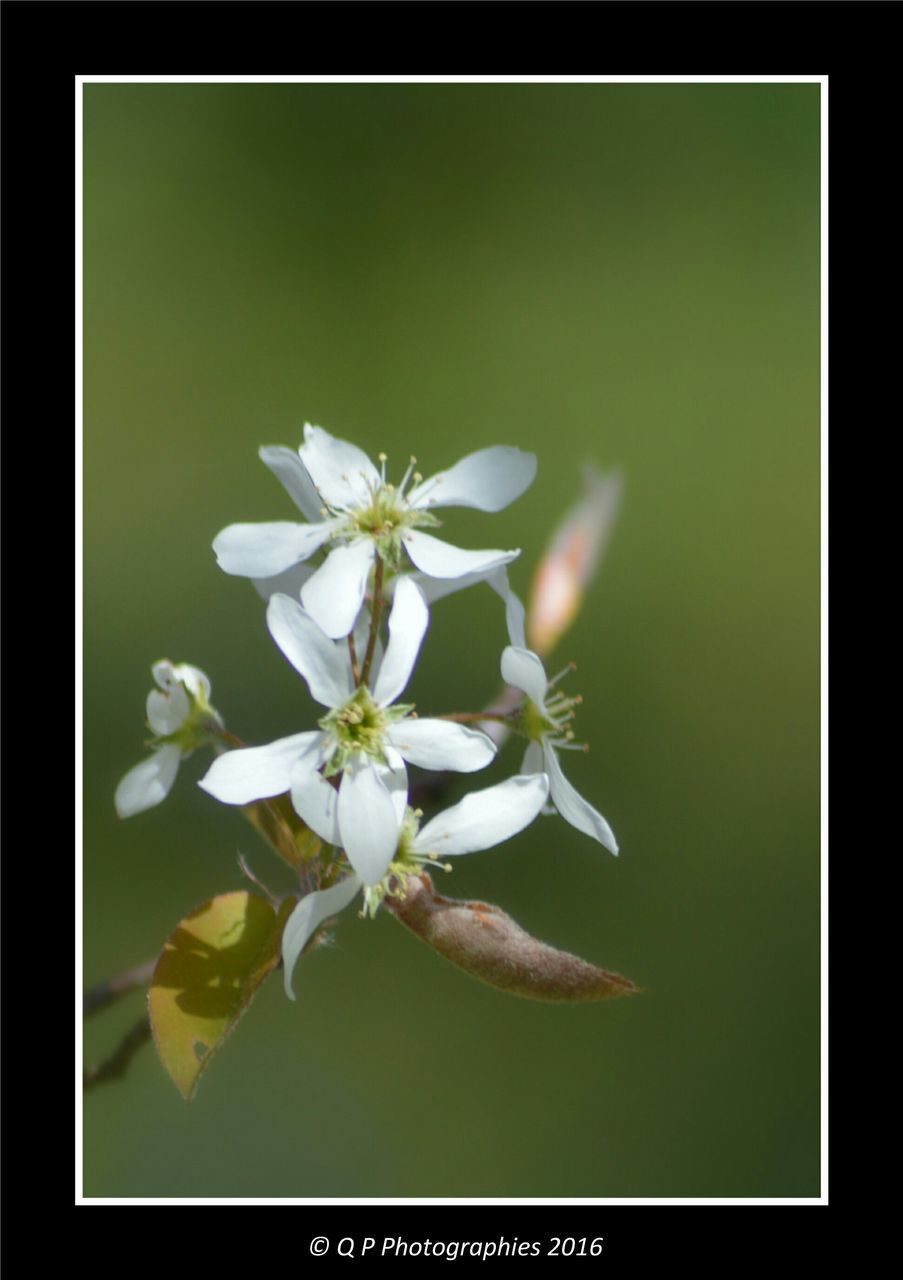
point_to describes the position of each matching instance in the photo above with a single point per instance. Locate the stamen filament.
(407, 476)
(422, 497)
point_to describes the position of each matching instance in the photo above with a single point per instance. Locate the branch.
(119, 985)
(115, 1066)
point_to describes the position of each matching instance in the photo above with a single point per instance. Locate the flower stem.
(355, 665)
(374, 620)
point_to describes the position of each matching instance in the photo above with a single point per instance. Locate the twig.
(116, 1065)
(355, 665)
(119, 985)
(374, 620)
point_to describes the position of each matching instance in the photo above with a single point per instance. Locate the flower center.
(359, 725)
(552, 720)
(386, 515)
(407, 862)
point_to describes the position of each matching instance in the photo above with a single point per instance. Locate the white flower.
(363, 736)
(479, 821)
(349, 502)
(180, 716)
(544, 719)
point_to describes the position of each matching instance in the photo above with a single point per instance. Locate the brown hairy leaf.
(485, 942)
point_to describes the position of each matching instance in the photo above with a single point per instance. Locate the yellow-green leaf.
(210, 969)
(283, 830)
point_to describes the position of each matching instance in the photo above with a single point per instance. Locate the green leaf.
(208, 973)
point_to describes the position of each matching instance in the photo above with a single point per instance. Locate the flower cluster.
(361, 563)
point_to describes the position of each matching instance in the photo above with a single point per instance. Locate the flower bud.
(571, 560)
(486, 943)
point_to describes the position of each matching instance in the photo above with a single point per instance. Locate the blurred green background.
(627, 273)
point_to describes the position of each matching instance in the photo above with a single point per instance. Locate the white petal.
(287, 467)
(325, 665)
(396, 780)
(441, 744)
(167, 712)
(334, 595)
(262, 550)
(441, 560)
(368, 818)
(193, 678)
(164, 673)
(149, 782)
(317, 802)
(255, 773)
(306, 918)
(489, 480)
(288, 583)
(515, 613)
(533, 761)
(408, 622)
(485, 818)
(342, 472)
(573, 808)
(523, 669)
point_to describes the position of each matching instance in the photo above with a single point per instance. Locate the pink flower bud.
(571, 560)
